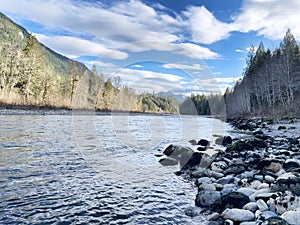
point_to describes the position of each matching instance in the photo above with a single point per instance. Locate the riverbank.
(10, 109)
(254, 180)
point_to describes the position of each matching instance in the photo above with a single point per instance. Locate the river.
(95, 168)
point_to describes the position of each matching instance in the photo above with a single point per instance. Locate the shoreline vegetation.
(251, 180)
(34, 76)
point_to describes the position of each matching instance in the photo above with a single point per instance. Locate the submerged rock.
(168, 162)
(203, 142)
(193, 142)
(281, 128)
(178, 152)
(192, 211)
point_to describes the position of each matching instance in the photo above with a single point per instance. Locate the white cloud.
(122, 22)
(75, 46)
(218, 84)
(137, 66)
(149, 80)
(217, 73)
(101, 64)
(196, 51)
(183, 66)
(240, 51)
(114, 26)
(270, 18)
(224, 79)
(205, 28)
(189, 50)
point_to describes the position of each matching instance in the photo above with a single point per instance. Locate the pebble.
(246, 191)
(262, 186)
(207, 187)
(248, 223)
(251, 206)
(262, 205)
(213, 217)
(269, 179)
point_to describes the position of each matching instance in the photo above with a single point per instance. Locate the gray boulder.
(207, 198)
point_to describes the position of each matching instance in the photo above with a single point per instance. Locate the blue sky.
(179, 45)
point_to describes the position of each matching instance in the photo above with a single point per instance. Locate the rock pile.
(253, 181)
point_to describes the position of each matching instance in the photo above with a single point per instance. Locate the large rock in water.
(203, 142)
(178, 152)
(194, 160)
(185, 155)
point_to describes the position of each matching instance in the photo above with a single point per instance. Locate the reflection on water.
(64, 169)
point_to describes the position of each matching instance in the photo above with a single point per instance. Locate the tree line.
(270, 84)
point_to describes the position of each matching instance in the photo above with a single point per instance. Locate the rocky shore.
(249, 181)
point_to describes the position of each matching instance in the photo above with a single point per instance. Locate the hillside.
(33, 75)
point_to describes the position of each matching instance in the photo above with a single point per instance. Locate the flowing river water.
(95, 168)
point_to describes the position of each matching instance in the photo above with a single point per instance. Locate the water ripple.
(63, 169)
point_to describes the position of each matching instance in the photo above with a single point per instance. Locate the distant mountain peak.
(179, 97)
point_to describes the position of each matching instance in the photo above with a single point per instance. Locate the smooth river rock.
(292, 217)
(238, 215)
(207, 198)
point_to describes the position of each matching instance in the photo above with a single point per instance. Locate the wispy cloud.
(113, 25)
(240, 51)
(149, 80)
(75, 46)
(101, 64)
(270, 18)
(183, 66)
(136, 66)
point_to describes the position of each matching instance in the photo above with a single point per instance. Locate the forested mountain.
(271, 82)
(31, 74)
